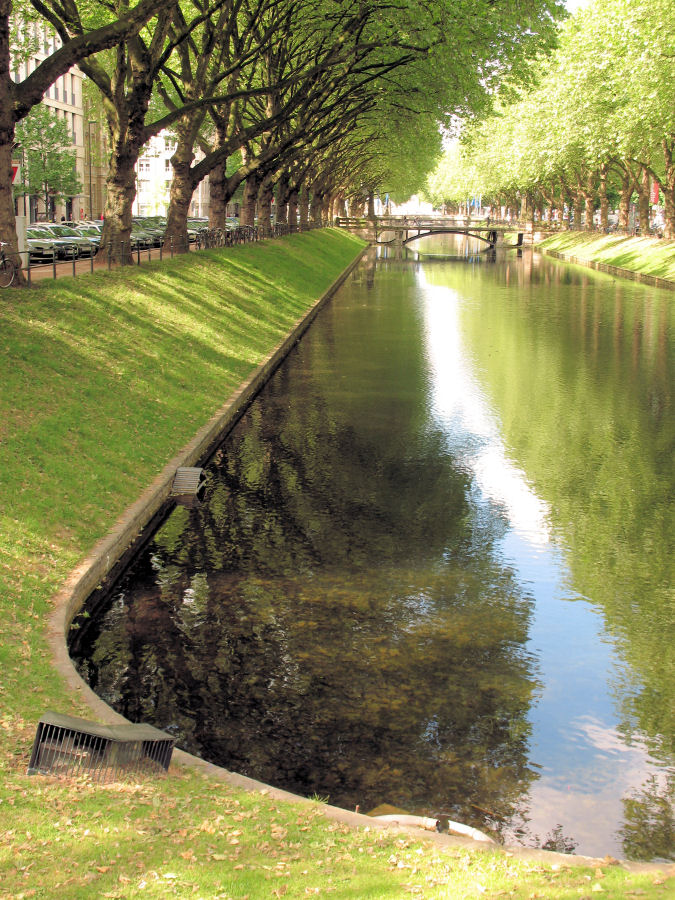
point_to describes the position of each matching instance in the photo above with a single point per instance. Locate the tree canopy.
(600, 113)
(321, 98)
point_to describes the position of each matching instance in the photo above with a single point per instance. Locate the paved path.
(68, 268)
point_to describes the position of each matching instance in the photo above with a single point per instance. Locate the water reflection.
(580, 399)
(377, 603)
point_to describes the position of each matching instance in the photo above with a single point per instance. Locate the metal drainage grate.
(67, 746)
(187, 481)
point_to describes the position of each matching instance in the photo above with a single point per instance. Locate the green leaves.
(50, 159)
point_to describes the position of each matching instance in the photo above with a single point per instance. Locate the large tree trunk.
(127, 136)
(624, 201)
(293, 209)
(523, 208)
(589, 202)
(326, 208)
(265, 196)
(219, 194)
(304, 207)
(643, 201)
(668, 188)
(604, 202)
(316, 204)
(283, 194)
(248, 206)
(218, 198)
(116, 34)
(7, 218)
(180, 196)
(578, 208)
(121, 190)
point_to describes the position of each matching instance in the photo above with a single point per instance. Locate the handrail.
(104, 257)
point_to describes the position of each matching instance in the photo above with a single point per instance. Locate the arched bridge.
(402, 230)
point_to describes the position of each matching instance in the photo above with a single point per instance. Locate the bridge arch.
(490, 238)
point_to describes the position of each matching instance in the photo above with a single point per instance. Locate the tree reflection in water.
(331, 620)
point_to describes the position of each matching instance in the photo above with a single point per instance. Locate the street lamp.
(91, 196)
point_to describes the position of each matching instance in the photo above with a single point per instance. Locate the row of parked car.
(49, 241)
(53, 241)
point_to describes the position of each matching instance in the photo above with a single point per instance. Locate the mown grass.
(647, 255)
(104, 378)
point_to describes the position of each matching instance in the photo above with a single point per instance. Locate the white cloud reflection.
(459, 403)
(604, 769)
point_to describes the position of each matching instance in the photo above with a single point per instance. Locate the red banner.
(655, 193)
(15, 169)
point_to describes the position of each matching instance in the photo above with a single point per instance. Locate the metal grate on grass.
(67, 747)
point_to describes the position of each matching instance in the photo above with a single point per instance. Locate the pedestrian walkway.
(73, 267)
(242, 234)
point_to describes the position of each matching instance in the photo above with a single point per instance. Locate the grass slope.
(104, 378)
(647, 255)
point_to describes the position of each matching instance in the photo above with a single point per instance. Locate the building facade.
(65, 99)
(153, 180)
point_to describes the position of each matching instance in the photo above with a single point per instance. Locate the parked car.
(83, 246)
(41, 247)
(151, 227)
(65, 249)
(91, 233)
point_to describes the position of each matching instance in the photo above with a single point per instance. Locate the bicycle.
(8, 265)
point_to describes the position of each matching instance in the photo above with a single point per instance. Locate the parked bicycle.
(208, 238)
(9, 265)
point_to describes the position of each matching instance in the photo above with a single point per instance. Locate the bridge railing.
(380, 223)
(424, 221)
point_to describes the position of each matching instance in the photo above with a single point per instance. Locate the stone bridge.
(400, 230)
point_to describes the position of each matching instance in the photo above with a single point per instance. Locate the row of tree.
(598, 124)
(313, 98)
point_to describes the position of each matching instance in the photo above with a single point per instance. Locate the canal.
(432, 567)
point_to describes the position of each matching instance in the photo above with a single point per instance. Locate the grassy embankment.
(644, 255)
(104, 378)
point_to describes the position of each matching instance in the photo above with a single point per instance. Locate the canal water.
(433, 563)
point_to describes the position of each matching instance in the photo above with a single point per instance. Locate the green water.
(433, 565)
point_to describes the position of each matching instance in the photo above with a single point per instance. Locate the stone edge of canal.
(110, 549)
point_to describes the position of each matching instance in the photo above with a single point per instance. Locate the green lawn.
(104, 379)
(647, 255)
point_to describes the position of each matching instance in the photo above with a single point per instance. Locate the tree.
(50, 159)
(81, 37)
(600, 113)
(280, 90)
